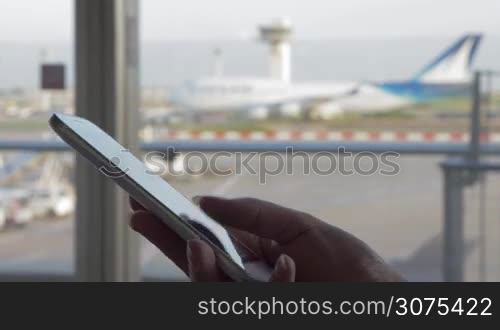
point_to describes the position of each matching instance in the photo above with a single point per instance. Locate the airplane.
(447, 75)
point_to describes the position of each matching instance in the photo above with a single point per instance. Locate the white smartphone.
(156, 195)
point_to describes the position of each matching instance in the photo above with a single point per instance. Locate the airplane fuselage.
(229, 94)
(216, 95)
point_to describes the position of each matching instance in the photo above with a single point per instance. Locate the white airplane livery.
(257, 97)
(448, 75)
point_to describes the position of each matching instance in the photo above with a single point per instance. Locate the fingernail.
(282, 263)
(285, 265)
(283, 270)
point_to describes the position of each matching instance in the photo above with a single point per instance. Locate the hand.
(298, 246)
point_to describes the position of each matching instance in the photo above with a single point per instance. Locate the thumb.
(284, 270)
(202, 262)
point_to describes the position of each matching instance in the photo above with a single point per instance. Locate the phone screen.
(124, 163)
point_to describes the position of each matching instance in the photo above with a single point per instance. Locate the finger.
(258, 217)
(161, 236)
(135, 205)
(202, 262)
(271, 250)
(246, 244)
(284, 270)
(252, 247)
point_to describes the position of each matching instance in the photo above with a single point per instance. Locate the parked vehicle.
(58, 202)
(21, 206)
(19, 212)
(14, 207)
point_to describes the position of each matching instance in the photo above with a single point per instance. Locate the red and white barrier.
(354, 136)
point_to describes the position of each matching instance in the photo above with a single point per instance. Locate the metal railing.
(410, 148)
(459, 173)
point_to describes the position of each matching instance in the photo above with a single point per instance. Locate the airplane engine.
(291, 110)
(327, 111)
(259, 113)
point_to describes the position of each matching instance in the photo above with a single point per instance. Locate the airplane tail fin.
(453, 65)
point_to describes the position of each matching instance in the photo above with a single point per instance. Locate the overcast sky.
(45, 20)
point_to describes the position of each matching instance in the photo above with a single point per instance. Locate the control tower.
(277, 35)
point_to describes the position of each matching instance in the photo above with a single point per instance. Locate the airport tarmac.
(400, 216)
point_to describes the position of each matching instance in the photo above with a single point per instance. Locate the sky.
(52, 20)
